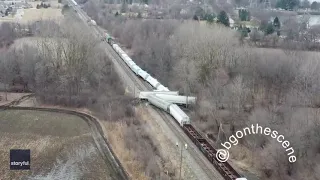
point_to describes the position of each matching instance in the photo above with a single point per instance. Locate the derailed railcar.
(153, 82)
(160, 103)
(224, 168)
(179, 115)
(162, 88)
(178, 99)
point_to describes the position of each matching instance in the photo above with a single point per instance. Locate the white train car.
(160, 103)
(131, 64)
(116, 47)
(126, 59)
(162, 88)
(154, 83)
(179, 115)
(178, 99)
(143, 74)
(136, 69)
(93, 22)
(145, 94)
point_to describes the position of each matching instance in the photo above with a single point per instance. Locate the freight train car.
(224, 168)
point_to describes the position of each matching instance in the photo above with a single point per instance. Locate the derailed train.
(158, 99)
(224, 168)
(171, 108)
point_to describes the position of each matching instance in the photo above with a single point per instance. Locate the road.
(193, 157)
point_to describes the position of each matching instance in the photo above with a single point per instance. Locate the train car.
(145, 94)
(165, 99)
(162, 88)
(143, 74)
(92, 22)
(116, 47)
(108, 38)
(178, 99)
(136, 69)
(126, 57)
(160, 103)
(131, 64)
(179, 115)
(154, 83)
(121, 51)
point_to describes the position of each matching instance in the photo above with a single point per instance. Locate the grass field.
(61, 145)
(34, 14)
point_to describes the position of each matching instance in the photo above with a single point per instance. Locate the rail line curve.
(101, 143)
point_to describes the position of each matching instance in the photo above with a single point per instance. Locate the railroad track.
(200, 149)
(116, 170)
(174, 127)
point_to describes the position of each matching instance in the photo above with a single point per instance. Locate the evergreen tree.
(276, 23)
(244, 15)
(223, 18)
(210, 17)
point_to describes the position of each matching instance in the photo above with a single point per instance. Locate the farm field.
(34, 14)
(61, 145)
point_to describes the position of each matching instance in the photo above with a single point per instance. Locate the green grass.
(42, 123)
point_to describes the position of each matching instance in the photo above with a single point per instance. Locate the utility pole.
(181, 150)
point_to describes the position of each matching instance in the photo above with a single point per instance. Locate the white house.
(231, 21)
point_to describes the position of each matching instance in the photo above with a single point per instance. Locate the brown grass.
(115, 133)
(47, 135)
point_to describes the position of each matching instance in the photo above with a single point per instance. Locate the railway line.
(116, 171)
(200, 149)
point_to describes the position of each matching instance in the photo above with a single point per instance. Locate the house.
(231, 21)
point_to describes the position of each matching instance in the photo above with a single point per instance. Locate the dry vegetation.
(51, 137)
(237, 85)
(70, 69)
